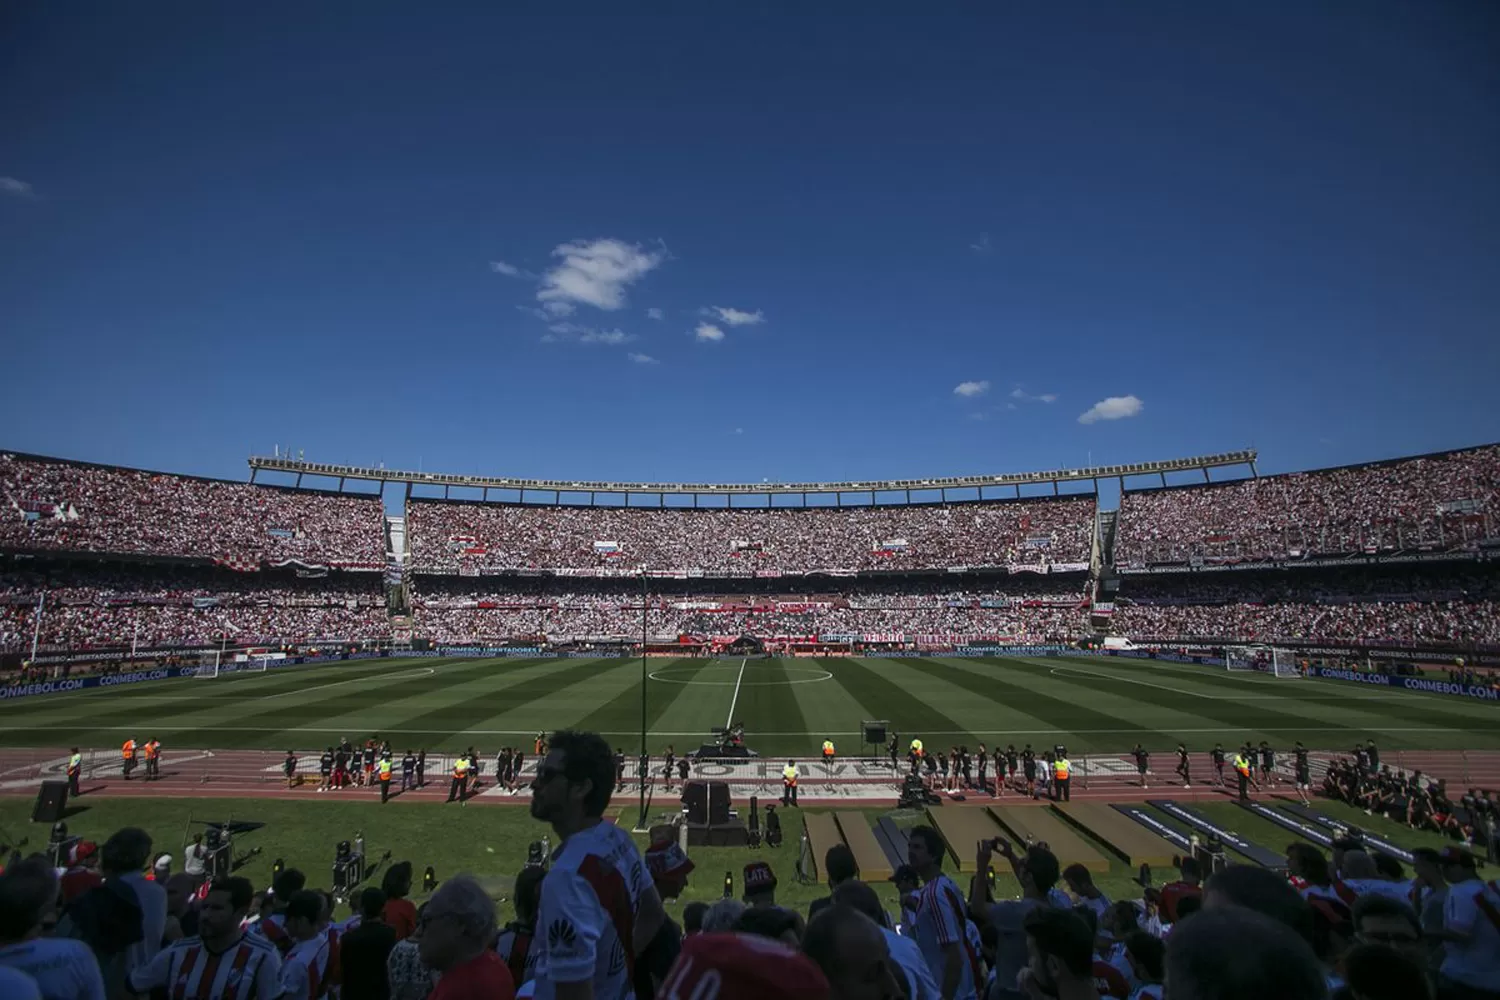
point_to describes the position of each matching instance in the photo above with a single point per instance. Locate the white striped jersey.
(250, 969)
(305, 969)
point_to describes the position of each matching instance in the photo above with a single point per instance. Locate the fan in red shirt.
(399, 911)
(1190, 884)
(83, 871)
(458, 929)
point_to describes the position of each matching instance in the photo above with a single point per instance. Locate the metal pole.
(36, 629)
(645, 764)
(135, 638)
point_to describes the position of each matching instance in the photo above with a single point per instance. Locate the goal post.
(208, 665)
(1268, 659)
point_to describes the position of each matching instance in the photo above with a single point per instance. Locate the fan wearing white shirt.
(904, 951)
(63, 969)
(599, 907)
(305, 969)
(1471, 930)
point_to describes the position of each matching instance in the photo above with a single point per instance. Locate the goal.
(217, 663)
(1269, 659)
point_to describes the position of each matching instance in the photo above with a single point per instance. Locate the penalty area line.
(736, 699)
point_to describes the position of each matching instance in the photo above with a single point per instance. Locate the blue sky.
(851, 245)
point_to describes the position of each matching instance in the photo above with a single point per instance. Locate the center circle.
(819, 674)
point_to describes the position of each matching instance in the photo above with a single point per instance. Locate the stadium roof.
(261, 463)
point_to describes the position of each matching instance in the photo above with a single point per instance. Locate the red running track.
(257, 774)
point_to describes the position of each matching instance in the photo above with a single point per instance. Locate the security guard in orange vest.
(828, 751)
(151, 754)
(458, 789)
(127, 755)
(789, 784)
(75, 766)
(1062, 777)
(383, 772)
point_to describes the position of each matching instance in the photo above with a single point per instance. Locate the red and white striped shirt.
(305, 970)
(249, 969)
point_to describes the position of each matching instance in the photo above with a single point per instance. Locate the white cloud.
(739, 430)
(971, 389)
(642, 359)
(1026, 397)
(596, 273)
(586, 334)
(655, 313)
(982, 245)
(509, 270)
(16, 188)
(1113, 408)
(735, 317)
(707, 332)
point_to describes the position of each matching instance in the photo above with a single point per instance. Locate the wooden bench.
(1029, 824)
(822, 833)
(1131, 841)
(873, 864)
(892, 840)
(963, 827)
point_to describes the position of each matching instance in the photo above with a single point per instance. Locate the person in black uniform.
(619, 770)
(683, 767)
(1361, 758)
(1184, 766)
(1304, 772)
(1142, 762)
(1218, 758)
(289, 768)
(892, 747)
(1012, 759)
(671, 766)
(367, 773)
(341, 766)
(1028, 768)
(1372, 755)
(1267, 764)
(421, 767)
(325, 769)
(982, 758)
(408, 770)
(965, 767)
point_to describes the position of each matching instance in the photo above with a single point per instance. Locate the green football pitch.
(788, 706)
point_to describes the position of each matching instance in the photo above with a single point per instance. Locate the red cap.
(743, 967)
(83, 851)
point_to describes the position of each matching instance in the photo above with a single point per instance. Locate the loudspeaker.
(51, 802)
(875, 734)
(695, 801)
(718, 802)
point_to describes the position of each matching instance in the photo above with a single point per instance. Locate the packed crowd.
(81, 508)
(449, 610)
(1019, 532)
(1443, 607)
(88, 606)
(592, 919)
(1445, 502)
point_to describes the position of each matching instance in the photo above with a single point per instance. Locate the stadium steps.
(963, 827)
(822, 833)
(1030, 825)
(892, 840)
(1119, 833)
(868, 855)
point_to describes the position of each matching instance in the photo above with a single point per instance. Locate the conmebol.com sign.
(1411, 684)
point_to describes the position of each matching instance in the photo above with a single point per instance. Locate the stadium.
(233, 621)
(992, 502)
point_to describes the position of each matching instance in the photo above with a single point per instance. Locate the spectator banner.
(1069, 567)
(1410, 683)
(1104, 609)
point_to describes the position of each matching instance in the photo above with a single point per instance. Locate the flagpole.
(644, 760)
(36, 630)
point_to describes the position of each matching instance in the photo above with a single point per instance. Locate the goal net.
(217, 664)
(208, 666)
(1268, 659)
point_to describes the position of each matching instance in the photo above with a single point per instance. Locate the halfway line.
(736, 699)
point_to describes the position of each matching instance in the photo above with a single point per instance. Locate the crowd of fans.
(449, 610)
(1443, 607)
(789, 540)
(1447, 502)
(61, 506)
(89, 606)
(592, 919)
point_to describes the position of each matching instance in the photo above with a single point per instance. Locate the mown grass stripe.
(884, 699)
